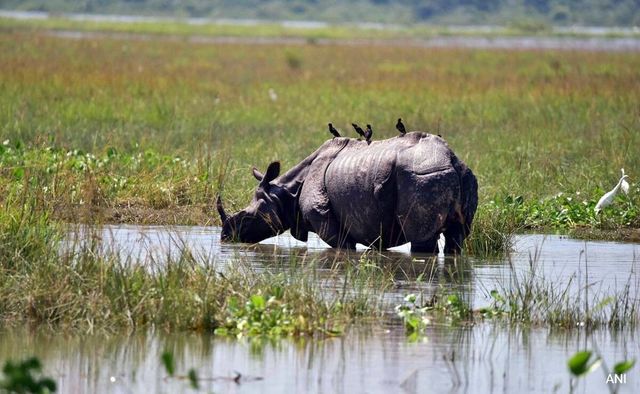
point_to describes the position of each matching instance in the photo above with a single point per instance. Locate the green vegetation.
(151, 131)
(168, 362)
(102, 130)
(526, 298)
(23, 377)
(584, 362)
(176, 29)
(532, 299)
(524, 12)
(443, 307)
(76, 284)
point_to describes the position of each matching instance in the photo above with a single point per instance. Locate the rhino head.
(262, 218)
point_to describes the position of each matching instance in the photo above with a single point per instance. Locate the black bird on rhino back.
(358, 129)
(368, 134)
(383, 194)
(400, 127)
(333, 131)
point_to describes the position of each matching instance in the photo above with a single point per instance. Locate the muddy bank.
(206, 215)
(135, 213)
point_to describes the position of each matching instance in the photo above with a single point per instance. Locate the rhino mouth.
(249, 227)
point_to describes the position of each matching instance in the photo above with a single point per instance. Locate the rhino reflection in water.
(405, 189)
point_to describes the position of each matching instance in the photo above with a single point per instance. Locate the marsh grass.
(531, 298)
(151, 131)
(52, 276)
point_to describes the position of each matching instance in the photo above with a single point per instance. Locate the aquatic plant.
(498, 307)
(584, 362)
(260, 316)
(168, 362)
(414, 317)
(25, 377)
(440, 308)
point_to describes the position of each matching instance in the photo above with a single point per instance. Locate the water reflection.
(484, 358)
(608, 266)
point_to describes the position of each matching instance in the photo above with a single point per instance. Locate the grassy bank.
(150, 131)
(68, 279)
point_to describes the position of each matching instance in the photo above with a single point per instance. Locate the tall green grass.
(66, 277)
(150, 131)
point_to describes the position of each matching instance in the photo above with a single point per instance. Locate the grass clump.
(50, 276)
(530, 298)
(24, 377)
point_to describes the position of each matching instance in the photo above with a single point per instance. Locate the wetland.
(113, 150)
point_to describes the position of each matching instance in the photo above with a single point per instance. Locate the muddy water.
(481, 359)
(607, 266)
(486, 357)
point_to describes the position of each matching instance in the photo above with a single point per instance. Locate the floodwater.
(482, 358)
(605, 39)
(596, 43)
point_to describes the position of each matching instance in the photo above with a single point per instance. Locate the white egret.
(272, 94)
(625, 185)
(608, 197)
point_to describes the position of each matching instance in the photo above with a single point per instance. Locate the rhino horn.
(221, 211)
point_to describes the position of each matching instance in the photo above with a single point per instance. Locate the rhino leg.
(430, 246)
(335, 236)
(328, 228)
(424, 203)
(454, 237)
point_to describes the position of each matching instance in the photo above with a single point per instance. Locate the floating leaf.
(193, 379)
(579, 363)
(222, 331)
(168, 362)
(410, 298)
(623, 366)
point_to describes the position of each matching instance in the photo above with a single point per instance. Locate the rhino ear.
(257, 174)
(272, 173)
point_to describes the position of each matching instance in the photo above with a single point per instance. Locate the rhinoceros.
(409, 188)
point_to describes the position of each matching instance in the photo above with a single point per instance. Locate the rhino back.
(405, 183)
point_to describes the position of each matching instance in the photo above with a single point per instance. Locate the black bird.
(358, 129)
(400, 127)
(368, 134)
(333, 131)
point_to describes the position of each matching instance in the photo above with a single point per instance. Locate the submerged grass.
(53, 275)
(48, 276)
(531, 298)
